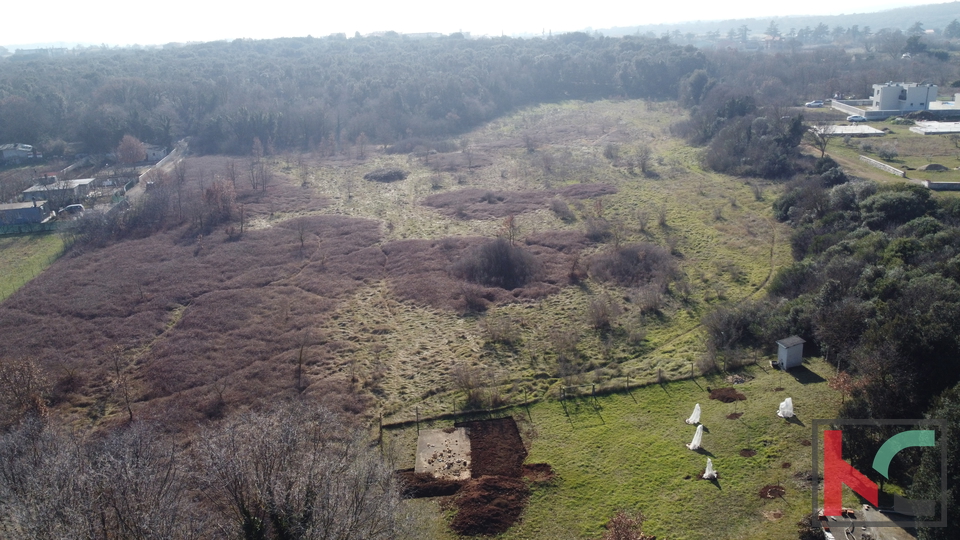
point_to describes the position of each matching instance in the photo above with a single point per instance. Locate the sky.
(121, 22)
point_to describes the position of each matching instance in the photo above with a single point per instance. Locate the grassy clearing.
(22, 258)
(626, 450)
(914, 151)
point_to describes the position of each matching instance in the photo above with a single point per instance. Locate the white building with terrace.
(892, 99)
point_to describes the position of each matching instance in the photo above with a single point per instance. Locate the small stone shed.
(790, 352)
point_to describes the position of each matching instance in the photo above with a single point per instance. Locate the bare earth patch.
(772, 515)
(489, 505)
(772, 492)
(726, 395)
(539, 472)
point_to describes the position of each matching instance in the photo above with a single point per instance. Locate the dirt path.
(773, 245)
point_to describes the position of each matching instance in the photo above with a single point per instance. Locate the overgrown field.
(718, 228)
(343, 281)
(358, 292)
(626, 451)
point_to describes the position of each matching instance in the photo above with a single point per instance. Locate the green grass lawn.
(627, 450)
(914, 151)
(23, 257)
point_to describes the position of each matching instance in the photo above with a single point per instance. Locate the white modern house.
(790, 352)
(903, 97)
(891, 99)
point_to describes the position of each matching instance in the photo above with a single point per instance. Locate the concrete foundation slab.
(444, 453)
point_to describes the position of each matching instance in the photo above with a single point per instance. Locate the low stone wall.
(942, 186)
(883, 166)
(861, 107)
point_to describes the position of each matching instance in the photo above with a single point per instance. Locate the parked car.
(856, 118)
(813, 104)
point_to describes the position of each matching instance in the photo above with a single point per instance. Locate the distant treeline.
(303, 92)
(321, 94)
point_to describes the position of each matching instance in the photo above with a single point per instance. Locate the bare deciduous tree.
(23, 391)
(818, 136)
(299, 472)
(130, 150)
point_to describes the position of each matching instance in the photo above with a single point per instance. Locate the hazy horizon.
(111, 22)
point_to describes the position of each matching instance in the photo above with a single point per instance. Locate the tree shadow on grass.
(582, 412)
(803, 375)
(704, 452)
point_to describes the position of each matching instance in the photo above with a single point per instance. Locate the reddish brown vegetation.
(476, 203)
(243, 307)
(746, 452)
(634, 265)
(282, 192)
(419, 270)
(727, 395)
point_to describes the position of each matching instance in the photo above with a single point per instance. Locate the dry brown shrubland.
(475, 203)
(420, 270)
(634, 265)
(228, 313)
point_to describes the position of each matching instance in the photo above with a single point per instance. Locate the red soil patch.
(538, 472)
(727, 395)
(496, 448)
(734, 416)
(746, 452)
(489, 505)
(491, 501)
(425, 485)
(772, 492)
(475, 203)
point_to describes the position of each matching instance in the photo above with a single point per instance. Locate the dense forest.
(320, 94)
